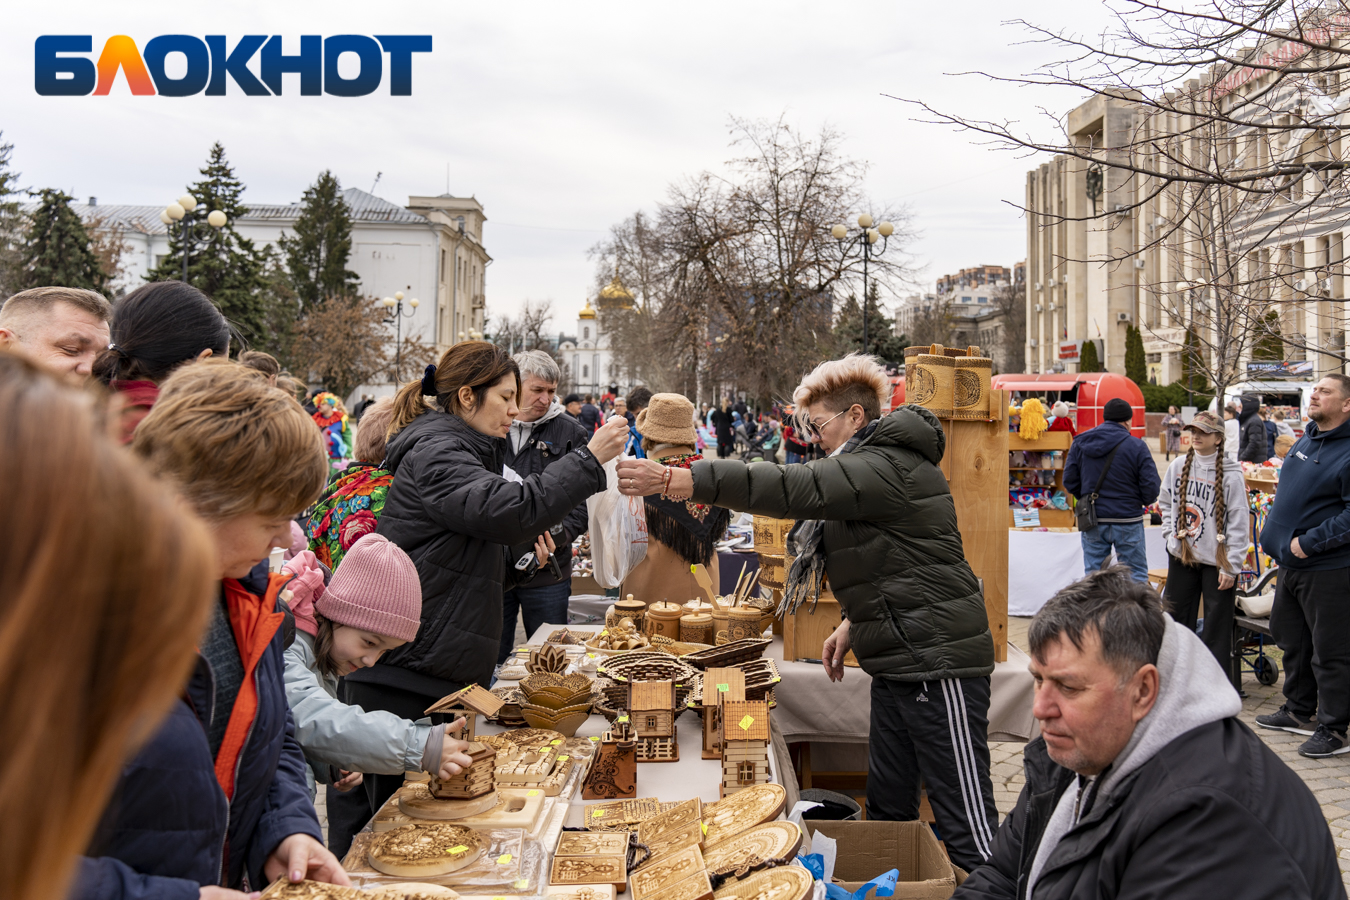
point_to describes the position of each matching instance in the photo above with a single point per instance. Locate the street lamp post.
(864, 239)
(396, 315)
(194, 229)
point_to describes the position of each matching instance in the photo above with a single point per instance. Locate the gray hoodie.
(1199, 505)
(1192, 691)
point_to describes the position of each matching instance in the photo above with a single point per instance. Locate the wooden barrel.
(970, 387)
(719, 614)
(696, 628)
(628, 608)
(772, 573)
(663, 617)
(743, 622)
(929, 382)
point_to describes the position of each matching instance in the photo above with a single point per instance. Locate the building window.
(965, 299)
(442, 266)
(586, 333)
(984, 299)
(745, 773)
(651, 721)
(585, 371)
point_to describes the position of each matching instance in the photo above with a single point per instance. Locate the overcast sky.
(561, 118)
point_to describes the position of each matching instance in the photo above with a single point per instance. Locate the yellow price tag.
(746, 723)
(590, 656)
(723, 688)
(595, 738)
(531, 793)
(555, 743)
(520, 884)
(705, 828)
(621, 719)
(597, 814)
(504, 859)
(562, 756)
(458, 848)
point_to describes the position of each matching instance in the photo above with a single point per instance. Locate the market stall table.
(1042, 562)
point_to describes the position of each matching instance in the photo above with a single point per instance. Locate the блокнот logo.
(58, 73)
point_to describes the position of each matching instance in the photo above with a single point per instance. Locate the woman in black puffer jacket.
(453, 512)
(879, 521)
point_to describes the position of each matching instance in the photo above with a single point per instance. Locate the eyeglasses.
(814, 430)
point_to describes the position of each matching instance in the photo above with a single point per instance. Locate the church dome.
(615, 296)
(586, 311)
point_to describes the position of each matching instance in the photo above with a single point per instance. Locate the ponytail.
(1179, 526)
(1221, 514)
(477, 365)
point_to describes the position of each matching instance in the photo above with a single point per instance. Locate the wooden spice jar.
(628, 608)
(743, 622)
(696, 628)
(663, 617)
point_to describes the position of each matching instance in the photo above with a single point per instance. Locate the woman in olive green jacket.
(878, 520)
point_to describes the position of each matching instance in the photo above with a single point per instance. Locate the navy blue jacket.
(1133, 481)
(168, 829)
(1313, 502)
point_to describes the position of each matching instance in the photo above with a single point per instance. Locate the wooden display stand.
(1051, 440)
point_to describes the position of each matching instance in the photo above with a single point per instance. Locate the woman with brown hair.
(93, 649)
(456, 514)
(680, 533)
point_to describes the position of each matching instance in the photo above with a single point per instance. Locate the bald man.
(61, 328)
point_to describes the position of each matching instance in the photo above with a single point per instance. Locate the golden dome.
(586, 311)
(615, 296)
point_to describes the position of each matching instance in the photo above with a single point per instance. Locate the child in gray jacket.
(372, 605)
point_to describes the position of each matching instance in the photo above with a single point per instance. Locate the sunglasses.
(814, 430)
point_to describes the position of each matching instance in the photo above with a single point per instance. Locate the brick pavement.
(1328, 779)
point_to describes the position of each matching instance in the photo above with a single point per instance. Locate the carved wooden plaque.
(772, 841)
(652, 879)
(613, 774)
(591, 843)
(742, 810)
(680, 817)
(782, 883)
(589, 870)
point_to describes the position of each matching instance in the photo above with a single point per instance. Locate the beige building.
(1107, 248)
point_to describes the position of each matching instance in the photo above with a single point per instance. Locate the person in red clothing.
(155, 329)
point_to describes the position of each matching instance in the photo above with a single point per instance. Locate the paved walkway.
(1329, 779)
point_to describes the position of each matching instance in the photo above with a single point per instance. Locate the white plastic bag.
(618, 527)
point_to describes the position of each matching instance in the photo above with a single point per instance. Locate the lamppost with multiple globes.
(864, 239)
(194, 230)
(396, 315)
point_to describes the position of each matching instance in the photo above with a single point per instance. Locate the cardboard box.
(869, 849)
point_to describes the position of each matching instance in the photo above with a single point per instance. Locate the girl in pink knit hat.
(372, 604)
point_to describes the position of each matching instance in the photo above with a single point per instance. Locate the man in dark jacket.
(540, 436)
(1252, 446)
(877, 518)
(1308, 534)
(590, 414)
(1271, 431)
(1131, 483)
(1144, 783)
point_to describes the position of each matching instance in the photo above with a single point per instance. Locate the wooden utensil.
(704, 581)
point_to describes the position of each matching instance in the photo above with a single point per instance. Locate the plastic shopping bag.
(618, 530)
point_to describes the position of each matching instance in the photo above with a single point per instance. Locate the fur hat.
(668, 419)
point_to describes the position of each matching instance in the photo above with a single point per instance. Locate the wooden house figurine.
(745, 744)
(719, 686)
(470, 702)
(651, 706)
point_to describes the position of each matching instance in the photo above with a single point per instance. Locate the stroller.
(1250, 634)
(763, 446)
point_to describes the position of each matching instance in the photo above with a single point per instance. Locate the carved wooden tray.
(412, 851)
(770, 842)
(282, 889)
(742, 810)
(782, 883)
(653, 879)
(415, 800)
(411, 890)
(741, 651)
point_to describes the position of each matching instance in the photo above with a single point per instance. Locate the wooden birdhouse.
(719, 686)
(470, 702)
(651, 704)
(745, 744)
(476, 781)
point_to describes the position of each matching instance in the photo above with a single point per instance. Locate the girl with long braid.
(1205, 517)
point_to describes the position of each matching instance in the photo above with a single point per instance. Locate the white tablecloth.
(1042, 562)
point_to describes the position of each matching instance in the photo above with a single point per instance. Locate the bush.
(1157, 397)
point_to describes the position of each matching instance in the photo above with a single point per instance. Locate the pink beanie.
(375, 588)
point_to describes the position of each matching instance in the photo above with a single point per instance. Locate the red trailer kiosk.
(1090, 390)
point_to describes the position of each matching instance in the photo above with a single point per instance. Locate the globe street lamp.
(396, 315)
(863, 241)
(196, 227)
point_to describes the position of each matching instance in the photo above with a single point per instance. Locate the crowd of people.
(173, 739)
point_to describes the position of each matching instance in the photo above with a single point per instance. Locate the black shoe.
(1324, 742)
(1284, 720)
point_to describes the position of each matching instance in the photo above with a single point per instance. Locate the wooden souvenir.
(569, 870)
(411, 890)
(515, 808)
(563, 636)
(696, 628)
(741, 811)
(282, 889)
(663, 618)
(771, 842)
(422, 851)
(771, 534)
(695, 887)
(613, 773)
(549, 658)
(782, 883)
(580, 892)
(970, 392)
(591, 843)
(470, 703)
(669, 842)
(415, 800)
(654, 878)
(553, 784)
(652, 709)
(743, 623)
(930, 385)
(680, 816)
(629, 608)
(745, 744)
(479, 779)
(718, 685)
(622, 812)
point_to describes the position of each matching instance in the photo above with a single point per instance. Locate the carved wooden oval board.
(742, 810)
(777, 841)
(782, 883)
(412, 851)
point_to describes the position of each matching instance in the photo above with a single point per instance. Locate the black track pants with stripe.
(937, 731)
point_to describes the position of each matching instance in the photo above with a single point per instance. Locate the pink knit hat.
(375, 588)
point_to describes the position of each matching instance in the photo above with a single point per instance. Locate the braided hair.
(1187, 555)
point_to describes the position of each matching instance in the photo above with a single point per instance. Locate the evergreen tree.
(56, 247)
(882, 340)
(1088, 360)
(317, 255)
(11, 225)
(229, 269)
(1270, 345)
(1136, 362)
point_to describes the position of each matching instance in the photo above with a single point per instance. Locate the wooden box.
(771, 534)
(804, 632)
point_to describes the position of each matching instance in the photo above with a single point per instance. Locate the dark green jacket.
(893, 551)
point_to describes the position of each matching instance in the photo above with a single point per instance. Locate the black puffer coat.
(1252, 433)
(893, 551)
(450, 509)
